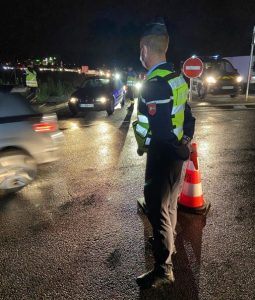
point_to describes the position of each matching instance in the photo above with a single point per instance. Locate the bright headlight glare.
(101, 99)
(73, 100)
(138, 85)
(211, 79)
(239, 78)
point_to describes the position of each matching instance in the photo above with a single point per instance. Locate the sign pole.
(250, 65)
(190, 89)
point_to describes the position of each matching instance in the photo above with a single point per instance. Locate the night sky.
(107, 32)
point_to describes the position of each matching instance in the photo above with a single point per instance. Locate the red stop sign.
(193, 67)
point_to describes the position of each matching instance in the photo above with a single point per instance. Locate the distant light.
(117, 76)
(216, 56)
(108, 74)
(193, 56)
(8, 68)
(138, 85)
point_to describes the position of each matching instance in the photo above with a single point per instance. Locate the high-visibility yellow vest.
(179, 98)
(131, 79)
(31, 80)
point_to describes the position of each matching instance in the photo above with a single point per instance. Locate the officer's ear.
(144, 51)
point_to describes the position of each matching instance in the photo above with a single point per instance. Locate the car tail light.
(45, 127)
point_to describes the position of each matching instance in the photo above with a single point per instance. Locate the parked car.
(219, 77)
(98, 93)
(27, 139)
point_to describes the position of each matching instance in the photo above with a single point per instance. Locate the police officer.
(31, 81)
(168, 129)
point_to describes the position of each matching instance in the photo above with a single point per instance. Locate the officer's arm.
(189, 123)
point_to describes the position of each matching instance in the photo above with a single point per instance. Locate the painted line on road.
(222, 108)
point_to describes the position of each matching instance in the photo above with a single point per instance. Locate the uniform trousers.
(162, 178)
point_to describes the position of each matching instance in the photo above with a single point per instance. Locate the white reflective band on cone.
(142, 131)
(193, 190)
(191, 166)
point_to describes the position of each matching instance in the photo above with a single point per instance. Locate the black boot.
(155, 279)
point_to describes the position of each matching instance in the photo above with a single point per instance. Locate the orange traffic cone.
(191, 199)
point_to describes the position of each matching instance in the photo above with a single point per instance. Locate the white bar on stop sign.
(193, 68)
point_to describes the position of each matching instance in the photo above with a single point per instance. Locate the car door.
(118, 90)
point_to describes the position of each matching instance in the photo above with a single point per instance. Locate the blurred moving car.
(219, 77)
(27, 139)
(98, 93)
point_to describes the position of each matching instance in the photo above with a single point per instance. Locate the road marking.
(222, 107)
(240, 107)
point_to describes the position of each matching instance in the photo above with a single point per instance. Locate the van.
(219, 77)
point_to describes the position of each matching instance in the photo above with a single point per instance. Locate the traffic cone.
(191, 199)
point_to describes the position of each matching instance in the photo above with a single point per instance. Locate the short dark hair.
(156, 43)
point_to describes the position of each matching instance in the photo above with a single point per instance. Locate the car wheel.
(110, 108)
(123, 101)
(17, 169)
(201, 91)
(73, 109)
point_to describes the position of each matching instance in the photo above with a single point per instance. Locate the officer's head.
(30, 65)
(154, 43)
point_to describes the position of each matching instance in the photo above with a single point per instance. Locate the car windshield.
(96, 82)
(222, 66)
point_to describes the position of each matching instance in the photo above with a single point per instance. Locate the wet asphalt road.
(76, 232)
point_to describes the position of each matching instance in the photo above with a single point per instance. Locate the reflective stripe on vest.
(130, 81)
(142, 119)
(141, 130)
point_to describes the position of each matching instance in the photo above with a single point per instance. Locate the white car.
(27, 139)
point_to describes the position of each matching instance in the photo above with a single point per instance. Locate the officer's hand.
(187, 141)
(139, 152)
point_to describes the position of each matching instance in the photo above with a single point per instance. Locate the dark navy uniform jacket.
(158, 89)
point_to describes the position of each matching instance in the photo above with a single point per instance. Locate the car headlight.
(210, 79)
(101, 99)
(73, 100)
(138, 86)
(239, 78)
